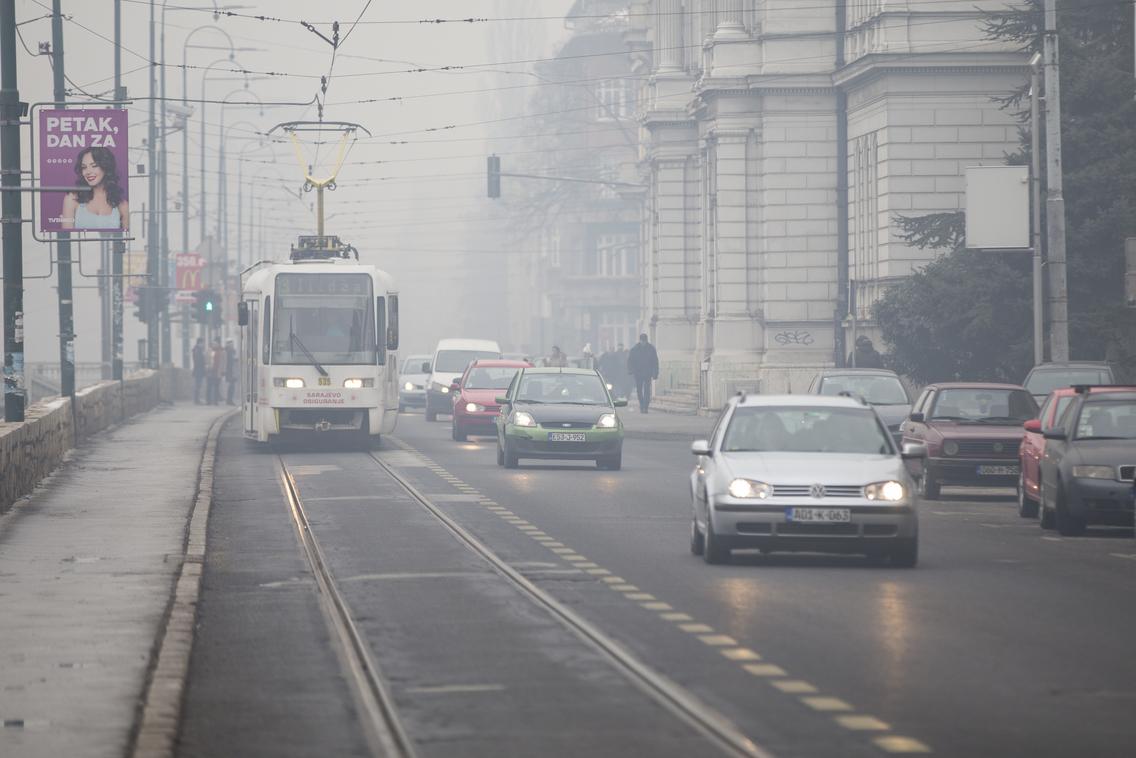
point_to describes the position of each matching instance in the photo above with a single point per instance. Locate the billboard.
(84, 148)
(997, 207)
(188, 270)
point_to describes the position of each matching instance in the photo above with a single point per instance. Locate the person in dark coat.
(198, 369)
(643, 364)
(215, 371)
(230, 371)
(865, 355)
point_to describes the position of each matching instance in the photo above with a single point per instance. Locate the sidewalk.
(87, 565)
(664, 426)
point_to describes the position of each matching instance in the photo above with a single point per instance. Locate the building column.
(731, 24)
(668, 23)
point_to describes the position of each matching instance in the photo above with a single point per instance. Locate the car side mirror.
(917, 418)
(425, 367)
(1033, 425)
(501, 400)
(913, 451)
(455, 387)
(621, 403)
(242, 313)
(1055, 434)
(700, 447)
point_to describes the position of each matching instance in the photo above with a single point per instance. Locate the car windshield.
(1107, 420)
(328, 318)
(575, 389)
(877, 390)
(806, 430)
(1044, 381)
(490, 378)
(413, 365)
(984, 406)
(455, 361)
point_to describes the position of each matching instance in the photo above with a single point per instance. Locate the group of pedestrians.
(639, 366)
(213, 366)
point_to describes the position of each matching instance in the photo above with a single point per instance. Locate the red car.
(1033, 447)
(972, 431)
(475, 407)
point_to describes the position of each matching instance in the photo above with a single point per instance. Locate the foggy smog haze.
(415, 214)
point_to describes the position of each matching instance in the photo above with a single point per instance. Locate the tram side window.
(266, 355)
(380, 347)
(392, 323)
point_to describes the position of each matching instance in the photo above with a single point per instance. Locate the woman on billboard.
(99, 202)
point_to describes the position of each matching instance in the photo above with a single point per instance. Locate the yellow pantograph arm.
(304, 166)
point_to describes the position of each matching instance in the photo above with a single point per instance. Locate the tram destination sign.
(323, 284)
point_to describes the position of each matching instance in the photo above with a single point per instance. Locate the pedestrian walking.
(198, 369)
(643, 364)
(215, 372)
(230, 372)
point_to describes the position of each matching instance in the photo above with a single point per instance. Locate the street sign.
(84, 148)
(997, 208)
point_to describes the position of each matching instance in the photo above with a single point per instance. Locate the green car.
(561, 413)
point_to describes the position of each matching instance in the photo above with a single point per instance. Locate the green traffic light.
(208, 305)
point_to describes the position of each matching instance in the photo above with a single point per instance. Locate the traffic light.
(207, 307)
(144, 304)
(494, 176)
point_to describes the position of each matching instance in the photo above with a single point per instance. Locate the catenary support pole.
(153, 325)
(1035, 186)
(63, 246)
(118, 250)
(11, 207)
(164, 261)
(1055, 200)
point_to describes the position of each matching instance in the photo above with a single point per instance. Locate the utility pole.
(164, 219)
(63, 245)
(11, 208)
(1035, 205)
(118, 249)
(152, 264)
(1055, 199)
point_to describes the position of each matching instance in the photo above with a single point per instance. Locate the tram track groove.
(673, 697)
(382, 726)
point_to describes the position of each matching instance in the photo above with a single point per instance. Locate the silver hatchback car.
(803, 473)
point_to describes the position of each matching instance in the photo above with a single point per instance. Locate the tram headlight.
(358, 384)
(291, 382)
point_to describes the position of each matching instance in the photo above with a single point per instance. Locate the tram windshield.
(328, 318)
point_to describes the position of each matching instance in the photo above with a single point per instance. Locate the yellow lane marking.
(676, 617)
(640, 596)
(718, 640)
(612, 580)
(574, 558)
(625, 588)
(563, 551)
(599, 572)
(893, 743)
(696, 628)
(794, 686)
(554, 544)
(822, 703)
(862, 723)
(741, 654)
(656, 606)
(588, 565)
(764, 669)
(528, 528)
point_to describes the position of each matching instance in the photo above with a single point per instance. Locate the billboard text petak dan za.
(84, 148)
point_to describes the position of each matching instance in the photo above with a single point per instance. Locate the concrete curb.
(160, 714)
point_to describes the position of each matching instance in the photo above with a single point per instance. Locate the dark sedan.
(972, 432)
(1088, 467)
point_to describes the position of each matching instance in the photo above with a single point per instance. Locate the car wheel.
(431, 415)
(1067, 524)
(1045, 516)
(509, 456)
(456, 433)
(697, 543)
(1027, 506)
(610, 462)
(930, 490)
(906, 553)
(713, 551)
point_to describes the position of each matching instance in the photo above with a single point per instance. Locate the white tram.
(318, 342)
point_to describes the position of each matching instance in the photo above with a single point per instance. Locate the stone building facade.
(779, 140)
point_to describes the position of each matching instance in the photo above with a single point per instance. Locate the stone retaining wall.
(31, 450)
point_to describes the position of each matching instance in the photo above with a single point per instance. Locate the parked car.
(882, 388)
(448, 362)
(564, 413)
(412, 382)
(475, 405)
(801, 473)
(972, 432)
(1089, 464)
(1046, 377)
(1033, 446)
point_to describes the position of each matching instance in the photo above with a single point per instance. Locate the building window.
(616, 255)
(552, 247)
(615, 328)
(864, 211)
(613, 100)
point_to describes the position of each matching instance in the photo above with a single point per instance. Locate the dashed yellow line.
(794, 686)
(696, 628)
(765, 669)
(862, 723)
(822, 703)
(741, 654)
(718, 640)
(893, 743)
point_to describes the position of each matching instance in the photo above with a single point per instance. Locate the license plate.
(819, 515)
(567, 437)
(997, 470)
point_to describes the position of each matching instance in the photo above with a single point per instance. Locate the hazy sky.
(410, 207)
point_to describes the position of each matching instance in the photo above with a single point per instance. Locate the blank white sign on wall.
(997, 207)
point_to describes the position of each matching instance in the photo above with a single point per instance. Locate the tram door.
(251, 354)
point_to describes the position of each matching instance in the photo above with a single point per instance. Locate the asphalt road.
(1002, 642)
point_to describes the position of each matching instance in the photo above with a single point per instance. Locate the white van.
(450, 358)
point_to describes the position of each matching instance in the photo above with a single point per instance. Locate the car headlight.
(445, 389)
(358, 384)
(747, 489)
(610, 386)
(292, 383)
(520, 418)
(474, 408)
(890, 492)
(607, 421)
(1094, 472)
(950, 447)
(408, 386)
